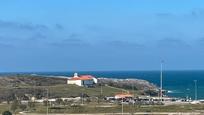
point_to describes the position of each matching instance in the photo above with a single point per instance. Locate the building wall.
(88, 82)
(77, 82)
(95, 80)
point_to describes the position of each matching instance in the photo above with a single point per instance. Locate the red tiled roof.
(123, 95)
(82, 77)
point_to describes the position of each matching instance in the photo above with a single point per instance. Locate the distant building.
(83, 80)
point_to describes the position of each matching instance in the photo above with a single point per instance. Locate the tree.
(88, 100)
(22, 107)
(10, 97)
(6, 113)
(59, 101)
(31, 104)
(45, 103)
(66, 102)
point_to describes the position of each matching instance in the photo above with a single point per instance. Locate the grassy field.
(73, 90)
(39, 108)
(64, 90)
(4, 107)
(117, 109)
(127, 108)
(94, 107)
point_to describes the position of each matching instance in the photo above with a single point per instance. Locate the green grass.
(93, 107)
(73, 90)
(4, 107)
(66, 90)
(40, 108)
(127, 108)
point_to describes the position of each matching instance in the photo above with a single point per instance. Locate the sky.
(101, 35)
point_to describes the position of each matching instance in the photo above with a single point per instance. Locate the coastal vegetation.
(26, 86)
(6, 113)
(16, 89)
(104, 108)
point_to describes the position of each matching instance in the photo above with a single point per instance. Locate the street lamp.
(161, 80)
(122, 106)
(47, 99)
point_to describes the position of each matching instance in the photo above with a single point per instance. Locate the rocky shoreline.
(138, 84)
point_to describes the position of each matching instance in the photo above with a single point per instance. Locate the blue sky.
(84, 35)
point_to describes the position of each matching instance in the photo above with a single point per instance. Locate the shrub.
(23, 107)
(6, 113)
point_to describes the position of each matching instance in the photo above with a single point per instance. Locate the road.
(139, 113)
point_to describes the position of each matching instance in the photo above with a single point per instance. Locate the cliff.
(137, 84)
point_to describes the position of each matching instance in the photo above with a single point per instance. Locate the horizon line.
(60, 71)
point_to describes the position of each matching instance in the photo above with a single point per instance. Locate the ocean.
(178, 83)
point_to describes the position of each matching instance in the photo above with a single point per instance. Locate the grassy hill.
(18, 85)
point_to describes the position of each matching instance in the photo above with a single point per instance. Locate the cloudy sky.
(84, 35)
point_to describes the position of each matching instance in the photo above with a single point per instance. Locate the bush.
(31, 104)
(59, 101)
(23, 107)
(6, 113)
(45, 103)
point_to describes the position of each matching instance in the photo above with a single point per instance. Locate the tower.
(76, 75)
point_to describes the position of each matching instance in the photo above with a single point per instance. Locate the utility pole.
(82, 98)
(195, 81)
(133, 92)
(101, 90)
(47, 100)
(161, 80)
(122, 106)
(34, 90)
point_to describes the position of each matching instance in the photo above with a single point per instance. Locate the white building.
(83, 80)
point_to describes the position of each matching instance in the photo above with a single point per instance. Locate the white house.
(83, 80)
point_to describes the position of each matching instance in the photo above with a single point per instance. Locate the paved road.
(139, 113)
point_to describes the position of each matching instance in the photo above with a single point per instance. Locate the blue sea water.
(178, 83)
